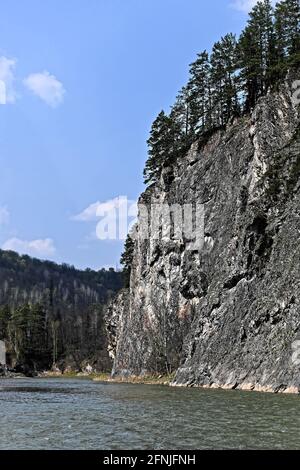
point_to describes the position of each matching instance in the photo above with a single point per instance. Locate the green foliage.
(287, 28)
(25, 271)
(224, 81)
(200, 93)
(162, 144)
(127, 258)
(228, 82)
(24, 330)
(5, 316)
(51, 312)
(257, 55)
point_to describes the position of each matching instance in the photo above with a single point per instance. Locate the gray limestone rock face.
(227, 315)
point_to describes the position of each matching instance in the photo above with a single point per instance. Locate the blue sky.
(83, 82)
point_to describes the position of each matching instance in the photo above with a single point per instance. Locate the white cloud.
(7, 78)
(89, 214)
(98, 209)
(4, 215)
(39, 248)
(113, 217)
(46, 87)
(245, 5)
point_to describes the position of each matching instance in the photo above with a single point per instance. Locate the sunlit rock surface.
(229, 315)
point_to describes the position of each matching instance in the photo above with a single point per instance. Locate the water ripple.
(73, 414)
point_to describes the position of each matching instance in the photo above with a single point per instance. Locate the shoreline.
(168, 381)
(244, 387)
(106, 377)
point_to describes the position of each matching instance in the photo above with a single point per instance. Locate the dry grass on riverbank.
(106, 377)
(146, 380)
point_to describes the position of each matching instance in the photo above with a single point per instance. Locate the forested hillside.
(53, 314)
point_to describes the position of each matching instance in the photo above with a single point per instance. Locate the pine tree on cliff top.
(287, 28)
(224, 83)
(256, 51)
(227, 82)
(200, 93)
(162, 146)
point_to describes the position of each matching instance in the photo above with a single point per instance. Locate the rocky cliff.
(227, 315)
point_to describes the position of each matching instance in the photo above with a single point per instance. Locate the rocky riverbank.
(166, 380)
(7, 373)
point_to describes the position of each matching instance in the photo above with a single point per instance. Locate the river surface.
(81, 414)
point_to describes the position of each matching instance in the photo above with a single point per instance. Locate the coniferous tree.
(224, 80)
(287, 29)
(36, 333)
(231, 80)
(19, 330)
(280, 36)
(200, 93)
(162, 146)
(127, 258)
(256, 52)
(5, 316)
(181, 116)
(157, 150)
(55, 323)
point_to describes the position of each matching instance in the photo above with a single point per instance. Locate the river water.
(81, 414)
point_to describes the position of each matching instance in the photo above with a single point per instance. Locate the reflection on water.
(79, 414)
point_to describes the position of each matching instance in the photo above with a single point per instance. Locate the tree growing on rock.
(228, 82)
(127, 258)
(287, 31)
(224, 80)
(162, 145)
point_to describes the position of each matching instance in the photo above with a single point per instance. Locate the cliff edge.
(227, 315)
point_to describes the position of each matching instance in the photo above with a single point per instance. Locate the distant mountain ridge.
(71, 304)
(26, 279)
